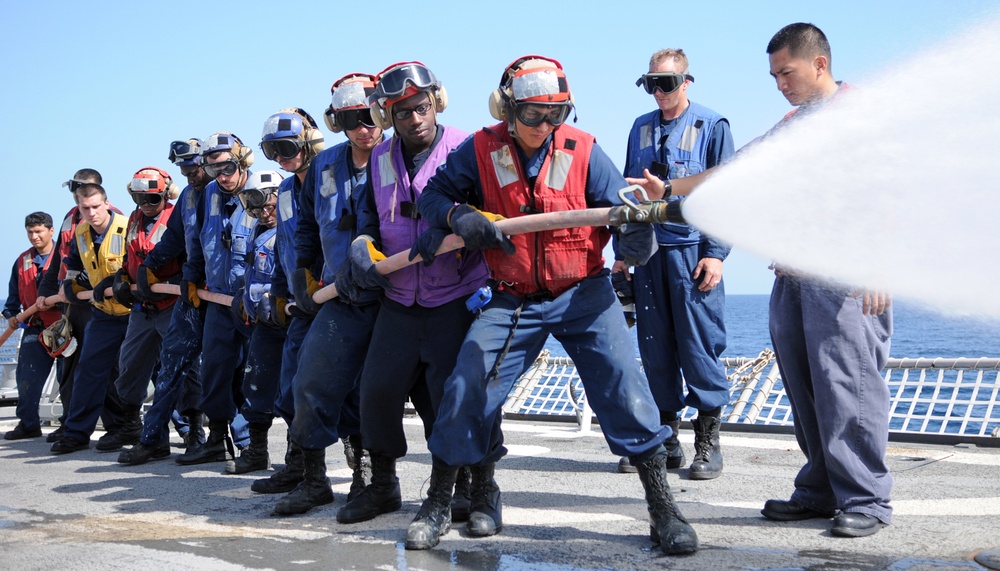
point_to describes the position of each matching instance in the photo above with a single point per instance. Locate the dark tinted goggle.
(226, 168)
(532, 114)
(284, 148)
(182, 151)
(190, 170)
(74, 184)
(666, 81)
(351, 119)
(393, 83)
(151, 199)
(255, 199)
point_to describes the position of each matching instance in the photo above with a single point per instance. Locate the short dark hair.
(88, 190)
(38, 219)
(802, 40)
(89, 175)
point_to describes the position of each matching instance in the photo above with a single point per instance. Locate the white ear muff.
(380, 117)
(315, 140)
(246, 160)
(498, 105)
(173, 191)
(330, 118)
(440, 96)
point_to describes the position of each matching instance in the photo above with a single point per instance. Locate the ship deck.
(565, 507)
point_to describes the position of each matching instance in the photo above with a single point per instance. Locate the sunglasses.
(142, 198)
(665, 81)
(284, 148)
(532, 115)
(221, 168)
(183, 151)
(351, 119)
(404, 114)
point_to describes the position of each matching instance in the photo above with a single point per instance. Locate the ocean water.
(918, 331)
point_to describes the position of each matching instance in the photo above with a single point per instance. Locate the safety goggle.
(221, 168)
(532, 114)
(183, 151)
(392, 84)
(141, 198)
(351, 119)
(190, 170)
(74, 184)
(255, 200)
(284, 148)
(665, 81)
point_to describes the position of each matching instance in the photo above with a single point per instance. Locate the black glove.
(144, 278)
(236, 307)
(479, 230)
(69, 289)
(427, 244)
(347, 289)
(122, 289)
(636, 243)
(304, 285)
(189, 294)
(362, 257)
(101, 286)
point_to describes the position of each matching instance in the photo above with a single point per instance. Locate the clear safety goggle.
(665, 81)
(221, 168)
(392, 84)
(532, 114)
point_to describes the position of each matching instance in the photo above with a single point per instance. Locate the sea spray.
(893, 186)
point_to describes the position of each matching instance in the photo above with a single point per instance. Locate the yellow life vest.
(106, 260)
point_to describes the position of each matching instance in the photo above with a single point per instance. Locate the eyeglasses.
(258, 211)
(141, 198)
(351, 119)
(665, 81)
(284, 148)
(190, 170)
(183, 151)
(404, 114)
(226, 168)
(532, 115)
(392, 83)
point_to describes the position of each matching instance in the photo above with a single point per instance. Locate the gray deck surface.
(565, 507)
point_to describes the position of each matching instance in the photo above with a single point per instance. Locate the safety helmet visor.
(393, 84)
(283, 148)
(350, 95)
(543, 85)
(147, 184)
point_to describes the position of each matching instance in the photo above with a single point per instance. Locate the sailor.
(330, 358)
(34, 362)
(263, 317)
(76, 316)
(97, 253)
(550, 282)
(178, 384)
(150, 188)
(217, 258)
(679, 294)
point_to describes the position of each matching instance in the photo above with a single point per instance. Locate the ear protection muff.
(498, 104)
(380, 117)
(311, 134)
(242, 153)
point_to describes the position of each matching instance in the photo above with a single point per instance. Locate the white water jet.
(895, 186)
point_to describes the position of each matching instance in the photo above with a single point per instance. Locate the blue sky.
(108, 85)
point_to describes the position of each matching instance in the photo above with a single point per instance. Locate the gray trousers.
(140, 353)
(830, 356)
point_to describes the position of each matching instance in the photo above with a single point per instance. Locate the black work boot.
(127, 435)
(668, 526)
(707, 463)
(381, 497)
(360, 463)
(675, 453)
(434, 517)
(313, 491)
(486, 516)
(196, 431)
(287, 478)
(214, 448)
(142, 453)
(254, 457)
(461, 501)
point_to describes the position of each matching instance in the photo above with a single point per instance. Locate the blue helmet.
(223, 141)
(288, 132)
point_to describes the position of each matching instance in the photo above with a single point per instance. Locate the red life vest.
(27, 286)
(139, 244)
(67, 234)
(553, 260)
